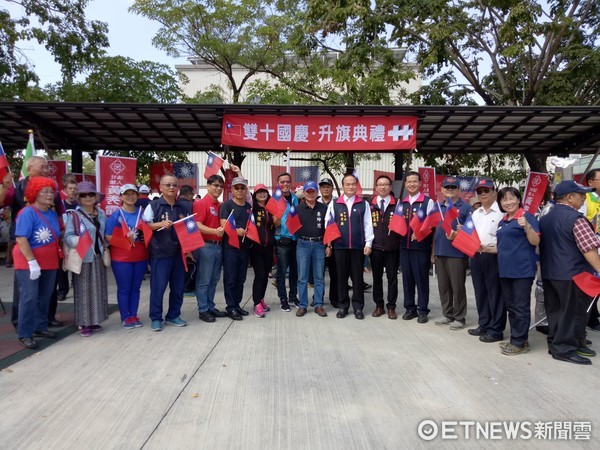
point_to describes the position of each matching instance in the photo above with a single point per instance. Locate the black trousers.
(62, 282)
(486, 283)
(566, 310)
(415, 274)
(389, 261)
(261, 258)
(349, 262)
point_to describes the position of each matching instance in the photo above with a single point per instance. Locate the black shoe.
(422, 318)
(61, 297)
(55, 323)
(409, 315)
(476, 332)
(285, 306)
(206, 317)
(28, 342)
(234, 315)
(45, 334)
(582, 351)
(216, 313)
(489, 339)
(242, 312)
(359, 314)
(542, 329)
(295, 302)
(574, 358)
(342, 313)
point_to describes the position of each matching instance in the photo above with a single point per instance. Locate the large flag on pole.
(29, 152)
(213, 165)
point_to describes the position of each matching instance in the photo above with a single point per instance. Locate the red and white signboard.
(534, 191)
(428, 185)
(56, 170)
(113, 172)
(327, 133)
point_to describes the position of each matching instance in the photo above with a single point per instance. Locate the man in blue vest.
(353, 217)
(568, 247)
(415, 256)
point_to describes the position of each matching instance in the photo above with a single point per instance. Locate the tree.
(60, 26)
(509, 52)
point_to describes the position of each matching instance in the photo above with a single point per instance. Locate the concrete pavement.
(286, 382)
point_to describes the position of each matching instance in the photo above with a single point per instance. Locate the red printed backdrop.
(185, 172)
(113, 172)
(56, 170)
(326, 133)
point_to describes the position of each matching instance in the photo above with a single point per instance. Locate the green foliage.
(60, 26)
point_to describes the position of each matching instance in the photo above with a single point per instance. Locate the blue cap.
(450, 181)
(570, 186)
(485, 183)
(310, 185)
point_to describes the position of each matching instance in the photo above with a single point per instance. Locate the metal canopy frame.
(546, 130)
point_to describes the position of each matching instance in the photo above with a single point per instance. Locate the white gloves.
(35, 270)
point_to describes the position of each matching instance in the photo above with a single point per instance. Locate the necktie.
(382, 205)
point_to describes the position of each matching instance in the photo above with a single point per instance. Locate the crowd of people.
(50, 225)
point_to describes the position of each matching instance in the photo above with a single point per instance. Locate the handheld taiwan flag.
(252, 229)
(146, 231)
(277, 204)
(189, 236)
(451, 216)
(433, 219)
(231, 231)
(398, 222)
(293, 221)
(359, 190)
(332, 231)
(85, 240)
(119, 237)
(416, 224)
(4, 166)
(213, 165)
(588, 283)
(467, 239)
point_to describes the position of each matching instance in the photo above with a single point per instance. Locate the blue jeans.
(310, 256)
(168, 270)
(208, 260)
(34, 300)
(129, 277)
(235, 266)
(286, 257)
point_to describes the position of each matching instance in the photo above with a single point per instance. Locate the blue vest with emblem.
(560, 257)
(351, 228)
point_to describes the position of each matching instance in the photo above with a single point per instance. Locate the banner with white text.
(113, 172)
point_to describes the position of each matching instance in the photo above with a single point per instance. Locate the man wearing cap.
(235, 260)
(450, 263)
(285, 247)
(310, 251)
(165, 254)
(415, 256)
(386, 248)
(353, 218)
(209, 258)
(568, 247)
(326, 190)
(143, 199)
(484, 266)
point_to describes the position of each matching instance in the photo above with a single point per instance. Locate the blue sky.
(129, 35)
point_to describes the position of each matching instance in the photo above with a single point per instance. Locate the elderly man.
(450, 263)
(568, 247)
(484, 266)
(326, 190)
(353, 217)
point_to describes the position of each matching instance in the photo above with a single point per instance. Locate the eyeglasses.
(239, 188)
(217, 186)
(87, 194)
(482, 191)
(47, 192)
(170, 185)
(450, 188)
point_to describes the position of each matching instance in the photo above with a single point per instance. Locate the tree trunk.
(398, 161)
(349, 162)
(536, 162)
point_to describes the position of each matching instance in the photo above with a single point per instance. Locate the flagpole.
(177, 221)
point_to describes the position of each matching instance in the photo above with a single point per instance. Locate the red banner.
(112, 173)
(326, 133)
(56, 170)
(428, 182)
(229, 176)
(534, 191)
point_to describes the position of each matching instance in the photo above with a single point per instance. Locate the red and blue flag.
(213, 165)
(231, 231)
(467, 239)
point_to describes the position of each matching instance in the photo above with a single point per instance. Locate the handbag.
(106, 257)
(106, 253)
(72, 261)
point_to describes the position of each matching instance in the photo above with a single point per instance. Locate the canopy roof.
(184, 127)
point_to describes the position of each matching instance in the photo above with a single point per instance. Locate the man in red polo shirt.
(209, 257)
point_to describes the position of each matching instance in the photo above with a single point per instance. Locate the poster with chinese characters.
(112, 172)
(314, 133)
(56, 170)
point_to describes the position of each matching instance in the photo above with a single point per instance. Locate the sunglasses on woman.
(87, 194)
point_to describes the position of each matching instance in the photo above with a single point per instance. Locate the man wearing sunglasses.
(165, 254)
(450, 263)
(484, 266)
